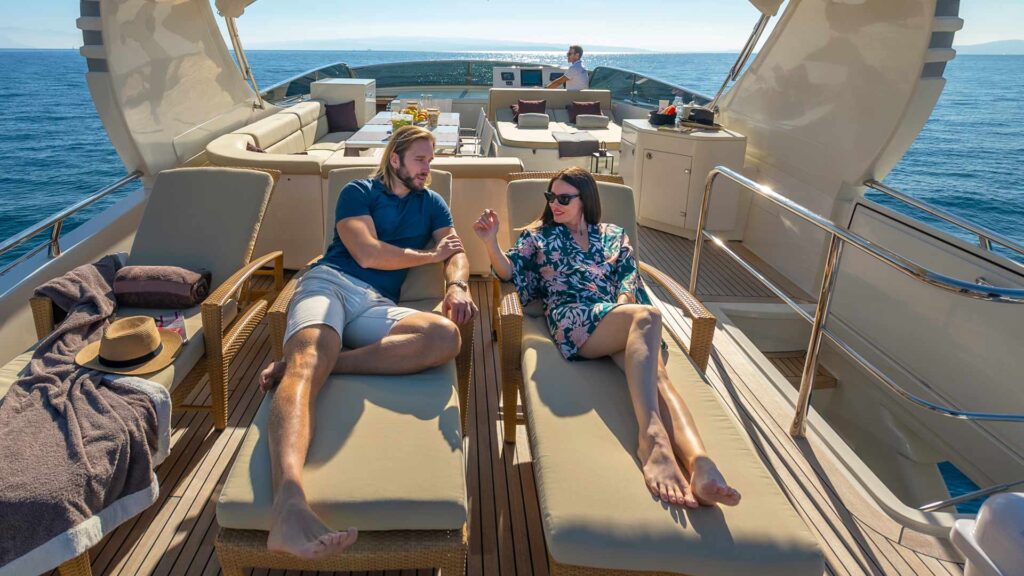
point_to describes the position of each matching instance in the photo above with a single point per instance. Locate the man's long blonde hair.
(399, 143)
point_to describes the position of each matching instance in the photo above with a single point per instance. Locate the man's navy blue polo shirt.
(407, 222)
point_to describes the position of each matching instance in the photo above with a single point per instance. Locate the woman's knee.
(646, 317)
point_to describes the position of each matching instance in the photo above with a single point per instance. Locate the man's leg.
(309, 354)
(416, 342)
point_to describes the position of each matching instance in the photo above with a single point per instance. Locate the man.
(575, 78)
(349, 298)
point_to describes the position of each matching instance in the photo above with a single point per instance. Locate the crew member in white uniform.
(576, 77)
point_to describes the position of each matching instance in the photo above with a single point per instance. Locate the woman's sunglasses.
(563, 199)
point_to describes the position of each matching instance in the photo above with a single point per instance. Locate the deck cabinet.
(667, 170)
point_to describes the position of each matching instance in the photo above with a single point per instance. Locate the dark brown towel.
(71, 443)
(579, 143)
(160, 287)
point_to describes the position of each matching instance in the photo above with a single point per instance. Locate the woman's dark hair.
(585, 184)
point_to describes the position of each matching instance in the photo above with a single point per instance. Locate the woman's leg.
(636, 331)
(706, 485)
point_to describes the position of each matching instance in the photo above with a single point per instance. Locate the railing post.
(985, 243)
(828, 282)
(698, 240)
(55, 239)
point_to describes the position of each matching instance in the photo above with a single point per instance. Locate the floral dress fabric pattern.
(578, 287)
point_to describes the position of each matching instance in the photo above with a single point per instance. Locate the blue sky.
(646, 24)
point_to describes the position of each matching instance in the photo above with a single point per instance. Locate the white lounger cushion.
(596, 509)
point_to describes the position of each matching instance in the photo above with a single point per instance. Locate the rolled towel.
(160, 287)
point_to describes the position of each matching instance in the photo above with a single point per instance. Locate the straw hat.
(131, 346)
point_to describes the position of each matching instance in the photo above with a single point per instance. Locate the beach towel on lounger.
(77, 450)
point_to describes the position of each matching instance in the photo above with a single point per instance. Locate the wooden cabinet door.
(666, 187)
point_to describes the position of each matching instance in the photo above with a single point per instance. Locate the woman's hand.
(625, 298)
(486, 227)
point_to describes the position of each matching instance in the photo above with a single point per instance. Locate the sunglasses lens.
(563, 199)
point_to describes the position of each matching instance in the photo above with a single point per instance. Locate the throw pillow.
(591, 121)
(342, 117)
(577, 108)
(528, 106)
(533, 120)
(250, 147)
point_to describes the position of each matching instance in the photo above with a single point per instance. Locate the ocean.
(967, 159)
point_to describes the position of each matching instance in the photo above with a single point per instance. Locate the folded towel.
(580, 143)
(161, 287)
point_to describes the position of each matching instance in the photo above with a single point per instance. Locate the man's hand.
(458, 305)
(447, 247)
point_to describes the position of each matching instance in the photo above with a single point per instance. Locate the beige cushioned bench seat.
(283, 137)
(386, 455)
(511, 134)
(596, 509)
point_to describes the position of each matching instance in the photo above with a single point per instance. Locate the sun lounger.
(386, 455)
(599, 518)
(194, 218)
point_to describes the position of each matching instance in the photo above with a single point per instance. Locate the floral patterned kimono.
(578, 287)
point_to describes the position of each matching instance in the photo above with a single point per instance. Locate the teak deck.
(506, 537)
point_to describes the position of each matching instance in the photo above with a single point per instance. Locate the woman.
(596, 306)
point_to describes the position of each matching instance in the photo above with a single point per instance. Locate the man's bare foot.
(296, 530)
(661, 471)
(709, 486)
(272, 375)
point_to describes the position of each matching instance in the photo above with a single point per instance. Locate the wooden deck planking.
(720, 277)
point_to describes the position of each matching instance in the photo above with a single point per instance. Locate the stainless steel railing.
(839, 238)
(985, 236)
(56, 223)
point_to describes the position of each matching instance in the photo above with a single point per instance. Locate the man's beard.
(406, 178)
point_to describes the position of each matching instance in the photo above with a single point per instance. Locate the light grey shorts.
(357, 312)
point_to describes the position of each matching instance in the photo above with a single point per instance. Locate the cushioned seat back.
(422, 282)
(311, 115)
(272, 129)
(526, 203)
(202, 218)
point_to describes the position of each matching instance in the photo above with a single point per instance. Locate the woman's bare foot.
(709, 486)
(272, 375)
(295, 529)
(661, 471)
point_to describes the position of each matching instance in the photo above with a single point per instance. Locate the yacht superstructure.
(868, 355)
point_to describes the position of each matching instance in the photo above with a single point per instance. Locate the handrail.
(840, 237)
(57, 221)
(985, 236)
(969, 496)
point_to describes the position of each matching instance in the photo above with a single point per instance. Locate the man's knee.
(443, 339)
(311, 346)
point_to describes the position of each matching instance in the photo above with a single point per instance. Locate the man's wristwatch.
(460, 283)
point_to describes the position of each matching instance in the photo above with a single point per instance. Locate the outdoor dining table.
(377, 132)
